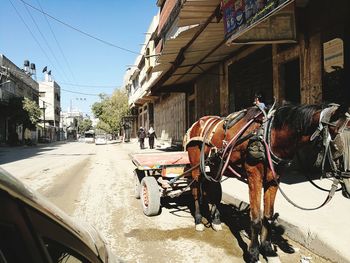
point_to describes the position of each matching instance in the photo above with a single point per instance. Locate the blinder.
(336, 151)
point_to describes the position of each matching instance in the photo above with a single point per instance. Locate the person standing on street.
(258, 101)
(127, 129)
(151, 135)
(142, 135)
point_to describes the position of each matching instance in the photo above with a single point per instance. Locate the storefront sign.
(241, 17)
(333, 55)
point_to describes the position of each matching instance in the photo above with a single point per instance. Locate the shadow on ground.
(12, 154)
(236, 218)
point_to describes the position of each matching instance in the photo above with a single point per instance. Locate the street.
(94, 184)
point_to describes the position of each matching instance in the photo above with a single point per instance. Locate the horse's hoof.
(200, 227)
(217, 227)
(273, 259)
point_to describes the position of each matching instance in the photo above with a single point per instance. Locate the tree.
(32, 109)
(111, 110)
(85, 125)
(21, 111)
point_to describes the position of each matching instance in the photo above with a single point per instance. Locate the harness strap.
(328, 198)
(326, 201)
(208, 124)
(204, 131)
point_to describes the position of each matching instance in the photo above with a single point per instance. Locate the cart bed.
(158, 160)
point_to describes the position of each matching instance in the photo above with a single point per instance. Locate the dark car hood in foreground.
(86, 233)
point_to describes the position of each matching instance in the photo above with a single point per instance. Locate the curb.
(305, 237)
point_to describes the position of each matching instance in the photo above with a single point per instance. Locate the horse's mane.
(296, 117)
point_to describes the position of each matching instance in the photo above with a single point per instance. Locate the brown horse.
(242, 145)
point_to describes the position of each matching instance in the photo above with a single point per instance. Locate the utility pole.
(44, 119)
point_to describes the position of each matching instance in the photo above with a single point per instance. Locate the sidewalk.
(325, 231)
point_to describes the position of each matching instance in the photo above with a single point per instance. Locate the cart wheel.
(150, 197)
(137, 186)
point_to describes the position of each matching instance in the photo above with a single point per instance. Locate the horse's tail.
(185, 140)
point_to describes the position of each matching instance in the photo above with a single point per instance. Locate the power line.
(90, 86)
(47, 44)
(79, 30)
(57, 42)
(81, 93)
(31, 33)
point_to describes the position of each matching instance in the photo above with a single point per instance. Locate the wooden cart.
(160, 174)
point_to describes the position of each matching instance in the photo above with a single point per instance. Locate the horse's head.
(333, 137)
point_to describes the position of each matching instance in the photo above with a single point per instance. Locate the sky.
(78, 63)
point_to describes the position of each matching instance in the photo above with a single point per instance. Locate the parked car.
(33, 230)
(101, 139)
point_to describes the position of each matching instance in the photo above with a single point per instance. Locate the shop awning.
(202, 43)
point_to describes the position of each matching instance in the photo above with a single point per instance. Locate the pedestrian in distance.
(258, 101)
(142, 135)
(127, 130)
(151, 136)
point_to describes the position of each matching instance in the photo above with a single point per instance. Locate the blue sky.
(84, 61)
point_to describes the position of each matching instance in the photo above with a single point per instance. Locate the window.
(135, 82)
(59, 253)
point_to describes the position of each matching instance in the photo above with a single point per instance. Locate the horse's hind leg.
(194, 156)
(270, 189)
(214, 193)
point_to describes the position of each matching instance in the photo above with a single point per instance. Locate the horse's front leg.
(270, 190)
(255, 187)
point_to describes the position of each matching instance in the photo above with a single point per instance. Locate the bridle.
(337, 171)
(331, 148)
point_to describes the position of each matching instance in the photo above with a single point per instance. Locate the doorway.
(290, 78)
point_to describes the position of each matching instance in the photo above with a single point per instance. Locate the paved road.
(94, 184)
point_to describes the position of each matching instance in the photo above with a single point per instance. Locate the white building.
(15, 84)
(69, 121)
(50, 103)
(139, 79)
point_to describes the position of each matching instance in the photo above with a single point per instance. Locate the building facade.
(50, 103)
(212, 60)
(139, 79)
(69, 122)
(15, 85)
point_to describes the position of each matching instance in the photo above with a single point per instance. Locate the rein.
(328, 198)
